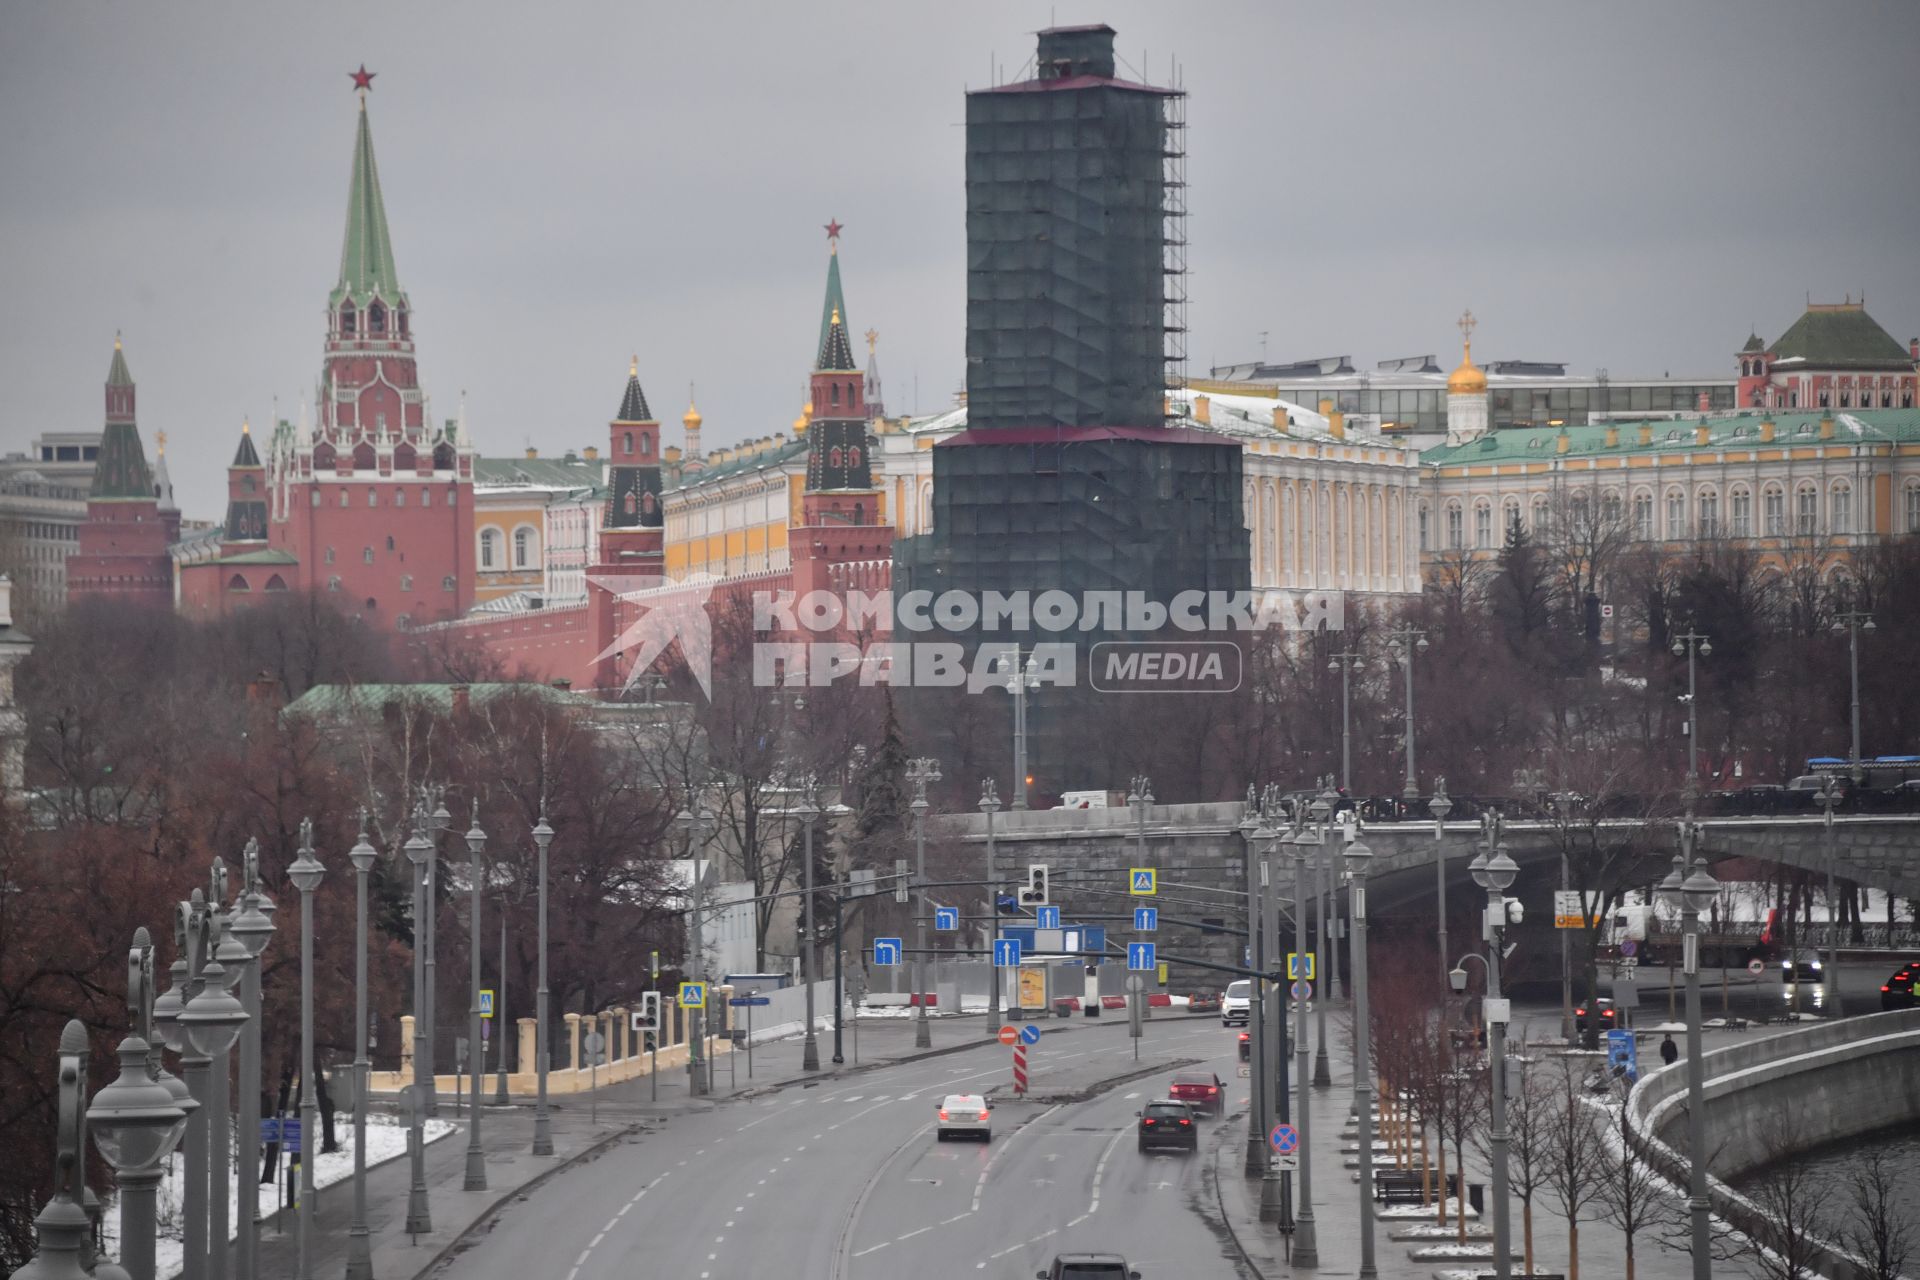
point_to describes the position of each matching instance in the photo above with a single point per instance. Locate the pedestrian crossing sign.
(1143, 882)
(693, 995)
(486, 1003)
(1297, 969)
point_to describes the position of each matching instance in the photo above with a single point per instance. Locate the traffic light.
(900, 880)
(646, 1018)
(1034, 893)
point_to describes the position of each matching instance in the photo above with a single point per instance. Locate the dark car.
(1168, 1125)
(1605, 1014)
(1204, 1002)
(1088, 1266)
(1200, 1090)
(1898, 991)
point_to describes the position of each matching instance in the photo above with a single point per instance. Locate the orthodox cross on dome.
(833, 226)
(363, 79)
(873, 339)
(1467, 324)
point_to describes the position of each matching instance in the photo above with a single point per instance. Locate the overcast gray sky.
(1625, 185)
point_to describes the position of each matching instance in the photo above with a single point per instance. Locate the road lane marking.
(980, 1184)
(911, 1234)
(875, 1249)
(595, 1242)
(1100, 1170)
(843, 1251)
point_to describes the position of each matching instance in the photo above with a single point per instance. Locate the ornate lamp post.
(189, 933)
(696, 830)
(1853, 621)
(1692, 888)
(1259, 1108)
(253, 926)
(1323, 812)
(210, 1023)
(1306, 1247)
(920, 772)
(1494, 870)
(66, 1238)
(235, 959)
(477, 876)
(166, 1025)
(1829, 795)
(1692, 643)
(359, 1239)
(1266, 1021)
(808, 812)
(1404, 644)
(1359, 857)
(419, 1214)
(990, 805)
(427, 1025)
(306, 874)
(135, 1121)
(1346, 663)
(542, 1122)
(1441, 807)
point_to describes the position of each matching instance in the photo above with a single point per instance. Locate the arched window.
(1483, 523)
(405, 457)
(276, 583)
(446, 583)
(323, 457)
(1456, 527)
(372, 603)
(399, 497)
(1643, 516)
(376, 319)
(389, 542)
(247, 483)
(1773, 510)
(1913, 506)
(333, 583)
(346, 319)
(1610, 509)
(489, 548)
(442, 457)
(1806, 509)
(1676, 514)
(373, 497)
(1539, 516)
(525, 548)
(366, 555)
(626, 439)
(238, 583)
(329, 555)
(1425, 516)
(1706, 508)
(1511, 519)
(833, 393)
(406, 582)
(363, 457)
(646, 446)
(1740, 512)
(1840, 508)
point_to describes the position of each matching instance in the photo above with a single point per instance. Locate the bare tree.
(1574, 1155)
(1875, 1228)
(1633, 1195)
(1529, 1131)
(1791, 1201)
(1461, 1101)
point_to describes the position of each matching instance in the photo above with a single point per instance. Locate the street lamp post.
(920, 772)
(1494, 870)
(64, 1230)
(476, 1179)
(808, 812)
(1306, 1247)
(696, 829)
(1692, 888)
(135, 1120)
(419, 1212)
(1322, 1072)
(1441, 806)
(500, 1097)
(1403, 644)
(990, 805)
(1358, 858)
(306, 874)
(234, 959)
(1267, 1026)
(166, 1022)
(1018, 682)
(1140, 800)
(190, 933)
(209, 1024)
(1829, 795)
(1346, 662)
(542, 1122)
(1259, 1109)
(1692, 643)
(1853, 621)
(253, 926)
(429, 1025)
(359, 1238)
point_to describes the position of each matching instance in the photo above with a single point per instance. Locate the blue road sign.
(270, 1129)
(1146, 919)
(1030, 1034)
(290, 1135)
(946, 919)
(1285, 1139)
(1006, 953)
(1143, 881)
(742, 1002)
(1303, 990)
(1140, 956)
(887, 951)
(1046, 917)
(693, 995)
(1629, 948)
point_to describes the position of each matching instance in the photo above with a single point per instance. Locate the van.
(1236, 1007)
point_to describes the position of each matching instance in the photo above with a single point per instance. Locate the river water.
(1832, 1164)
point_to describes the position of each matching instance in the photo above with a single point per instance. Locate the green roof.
(1541, 444)
(1753, 344)
(246, 455)
(333, 700)
(771, 457)
(826, 357)
(269, 555)
(366, 257)
(1841, 336)
(117, 374)
(122, 471)
(550, 473)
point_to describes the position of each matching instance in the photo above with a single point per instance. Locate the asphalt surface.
(844, 1179)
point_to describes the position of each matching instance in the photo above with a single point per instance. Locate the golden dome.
(1466, 380)
(691, 419)
(800, 425)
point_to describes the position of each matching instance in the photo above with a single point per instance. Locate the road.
(844, 1180)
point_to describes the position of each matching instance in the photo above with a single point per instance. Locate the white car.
(1237, 1005)
(964, 1115)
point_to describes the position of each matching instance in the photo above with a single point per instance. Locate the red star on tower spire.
(833, 231)
(363, 78)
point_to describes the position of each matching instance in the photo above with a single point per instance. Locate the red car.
(1605, 1016)
(1204, 1002)
(1200, 1090)
(1246, 1046)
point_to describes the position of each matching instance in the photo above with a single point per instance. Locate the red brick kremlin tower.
(633, 530)
(844, 541)
(123, 544)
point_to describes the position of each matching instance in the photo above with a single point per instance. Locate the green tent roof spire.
(117, 375)
(366, 256)
(834, 306)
